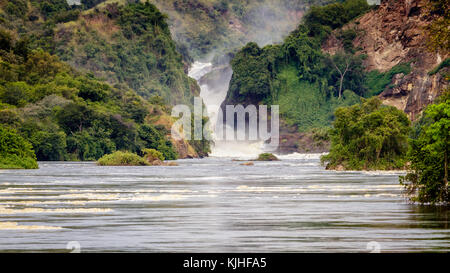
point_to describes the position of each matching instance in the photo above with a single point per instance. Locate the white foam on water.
(301, 156)
(32, 203)
(16, 226)
(162, 197)
(166, 197)
(237, 149)
(16, 190)
(90, 196)
(4, 210)
(245, 188)
(315, 187)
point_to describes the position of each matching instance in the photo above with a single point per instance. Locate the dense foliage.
(267, 157)
(152, 155)
(120, 158)
(15, 151)
(129, 44)
(427, 179)
(126, 43)
(307, 83)
(69, 115)
(321, 20)
(368, 136)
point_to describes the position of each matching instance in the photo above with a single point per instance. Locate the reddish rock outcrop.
(394, 33)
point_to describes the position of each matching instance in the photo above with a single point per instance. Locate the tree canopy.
(368, 136)
(427, 179)
(15, 151)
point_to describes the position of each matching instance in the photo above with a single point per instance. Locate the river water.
(213, 205)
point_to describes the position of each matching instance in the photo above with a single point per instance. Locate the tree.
(321, 20)
(251, 77)
(75, 117)
(427, 179)
(368, 136)
(15, 93)
(50, 146)
(438, 30)
(5, 40)
(93, 90)
(346, 65)
(15, 151)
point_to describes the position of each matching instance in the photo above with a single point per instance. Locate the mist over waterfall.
(214, 81)
(264, 25)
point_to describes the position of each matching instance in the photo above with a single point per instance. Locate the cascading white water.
(213, 94)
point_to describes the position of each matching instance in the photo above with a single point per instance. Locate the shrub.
(267, 157)
(15, 151)
(119, 158)
(368, 136)
(154, 138)
(50, 146)
(87, 145)
(152, 155)
(16, 93)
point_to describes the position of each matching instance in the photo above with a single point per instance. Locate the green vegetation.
(67, 115)
(321, 20)
(427, 179)
(267, 157)
(368, 136)
(206, 27)
(128, 44)
(445, 63)
(307, 83)
(377, 81)
(15, 151)
(66, 110)
(152, 155)
(119, 158)
(154, 137)
(438, 30)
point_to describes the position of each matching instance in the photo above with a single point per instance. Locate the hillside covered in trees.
(80, 97)
(126, 44)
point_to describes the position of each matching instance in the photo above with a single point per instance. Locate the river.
(213, 205)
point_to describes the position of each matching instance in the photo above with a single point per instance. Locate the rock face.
(392, 34)
(183, 149)
(293, 141)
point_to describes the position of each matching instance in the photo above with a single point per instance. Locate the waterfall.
(213, 81)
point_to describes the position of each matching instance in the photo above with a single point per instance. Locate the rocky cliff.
(394, 33)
